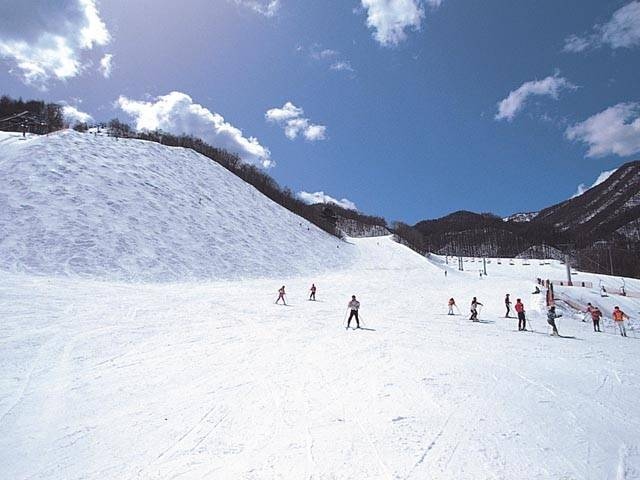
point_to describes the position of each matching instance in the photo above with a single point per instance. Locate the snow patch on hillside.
(521, 217)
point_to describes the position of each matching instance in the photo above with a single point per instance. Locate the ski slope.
(74, 204)
(211, 380)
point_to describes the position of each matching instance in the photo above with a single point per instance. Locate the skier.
(522, 321)
(354, 305)
(619, 317)
(536, 291)
(281, 295)
(589, 310)
(507, 303)
(312, 295)
(551, 319)
(452, 303)
(445, 274)
(596, 314)
(474, 309)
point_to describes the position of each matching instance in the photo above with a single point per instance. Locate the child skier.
(354, 305)
(596, 314)
(281, 295)
(474, 309)
(452, 303)
(619, 317)
(522, 321)
(551, 319)
(312, 296)
(507, 303)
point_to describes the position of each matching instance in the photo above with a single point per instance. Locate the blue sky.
(410, 109)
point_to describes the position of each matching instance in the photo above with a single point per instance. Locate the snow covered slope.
(214, 381)
(77, 204)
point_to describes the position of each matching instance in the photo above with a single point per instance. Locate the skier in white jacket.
(354, 305)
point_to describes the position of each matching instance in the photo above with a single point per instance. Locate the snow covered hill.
(84, 205)
(103, 380)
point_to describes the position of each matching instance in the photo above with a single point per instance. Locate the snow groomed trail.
(213, 381)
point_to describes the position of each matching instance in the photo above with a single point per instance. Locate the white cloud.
(176, 113)
(327, 53)
(290, 118)
(515, 101)
(328, 57)
(575, 44)
(621, 31)
(390, 19)
(44, 40)
(614, 131)
(321, 197)
(268, 8)
(72, 115)
(287, 112)
(315, 132)
(341, 66)
(106, 65)
(601, 178)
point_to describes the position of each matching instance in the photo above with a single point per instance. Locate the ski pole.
(531, 325)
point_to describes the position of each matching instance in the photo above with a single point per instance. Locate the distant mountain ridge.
(600, 228)
(610, 208)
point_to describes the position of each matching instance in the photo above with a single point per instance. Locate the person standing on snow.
(522, 321)
(452, 303)
(354, 305)
(507, 303)
(474, 309)
(551, 319)
(312, 295)
(281, 294)
(619, 317)
(596, 314)
(589, 310)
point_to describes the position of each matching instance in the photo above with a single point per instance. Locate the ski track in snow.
(212, 380)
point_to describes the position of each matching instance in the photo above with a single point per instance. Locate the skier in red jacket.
(596, 314)
(619, 317)
(522, 321)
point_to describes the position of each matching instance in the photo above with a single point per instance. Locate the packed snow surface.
(82, 205)
(211, 380)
